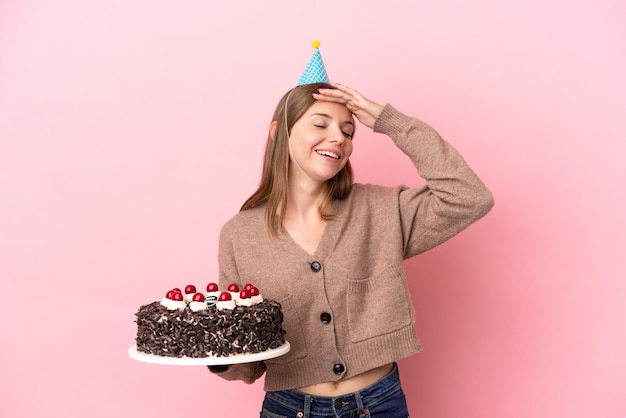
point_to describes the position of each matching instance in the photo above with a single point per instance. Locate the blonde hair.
(274, 183)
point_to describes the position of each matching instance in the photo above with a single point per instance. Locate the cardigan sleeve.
(453, 198)
(228, 273)
(246, 372)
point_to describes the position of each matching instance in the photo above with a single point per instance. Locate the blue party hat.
(314, 71)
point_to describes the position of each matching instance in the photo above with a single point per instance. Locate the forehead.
(333, 110)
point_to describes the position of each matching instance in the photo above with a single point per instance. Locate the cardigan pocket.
(293, 333)
(379, 304)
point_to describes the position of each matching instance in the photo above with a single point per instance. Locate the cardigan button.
(316, 266)
(338, 368)
(325, 318)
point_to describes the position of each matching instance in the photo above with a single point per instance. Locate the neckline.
(329, 238)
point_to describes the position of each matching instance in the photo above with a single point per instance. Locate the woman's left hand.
(365, 110)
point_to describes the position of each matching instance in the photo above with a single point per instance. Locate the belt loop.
(359, 403)
(307, 405)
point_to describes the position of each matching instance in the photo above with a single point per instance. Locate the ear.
(273, 129)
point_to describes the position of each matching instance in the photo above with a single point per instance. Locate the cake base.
(210, 333)
(208, 361)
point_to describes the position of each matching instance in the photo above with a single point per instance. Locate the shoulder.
(374, 191)
(370, 198)
(244, 221)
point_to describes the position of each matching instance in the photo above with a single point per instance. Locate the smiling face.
(320, 142)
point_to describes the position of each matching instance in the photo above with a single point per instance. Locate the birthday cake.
(212, 324)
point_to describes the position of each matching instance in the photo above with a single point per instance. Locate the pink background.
(131, 130)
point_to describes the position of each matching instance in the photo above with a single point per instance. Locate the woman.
(331, 251)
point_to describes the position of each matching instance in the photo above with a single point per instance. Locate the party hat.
(314, 71)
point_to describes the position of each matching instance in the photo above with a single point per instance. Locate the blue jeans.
(384, 399)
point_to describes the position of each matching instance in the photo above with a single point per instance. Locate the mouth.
(328, 154)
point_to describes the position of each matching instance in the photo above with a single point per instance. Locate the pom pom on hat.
(315, 72)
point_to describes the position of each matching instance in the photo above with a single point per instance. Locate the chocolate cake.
(215, 324)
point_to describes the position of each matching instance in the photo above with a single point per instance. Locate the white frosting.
(226, 304)
(257, 299)
(176, 304)
(197, 306)
(209, 296)
(246, 302)
(166, 302)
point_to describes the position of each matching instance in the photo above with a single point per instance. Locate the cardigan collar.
(330, 236)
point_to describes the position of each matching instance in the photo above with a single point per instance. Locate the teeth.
(328, 154)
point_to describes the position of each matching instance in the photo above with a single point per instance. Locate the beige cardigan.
(347, 308)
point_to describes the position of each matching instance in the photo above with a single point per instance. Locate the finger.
(331, 99)
(346, 89)
(356, 96)
(349, 96)
(350, 103)
(328, 96)
(333, 93)
(352, 94)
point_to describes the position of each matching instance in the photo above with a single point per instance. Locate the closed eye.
(346, 134)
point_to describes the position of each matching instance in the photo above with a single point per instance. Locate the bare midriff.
(353, 384)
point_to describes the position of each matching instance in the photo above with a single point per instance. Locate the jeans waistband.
(377, 390)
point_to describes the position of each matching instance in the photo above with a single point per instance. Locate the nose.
(336, 136)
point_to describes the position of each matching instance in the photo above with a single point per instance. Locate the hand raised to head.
(365, 110)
